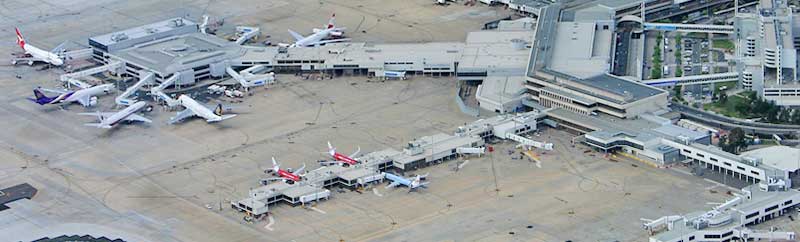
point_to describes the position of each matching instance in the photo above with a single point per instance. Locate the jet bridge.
(529, 142)
(246, 33)
(114, 66)
(78, 54)
(247, 79)
(123, 99)
(747, 234)
(158, 91)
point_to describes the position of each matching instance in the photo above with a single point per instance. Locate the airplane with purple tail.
(86, 97)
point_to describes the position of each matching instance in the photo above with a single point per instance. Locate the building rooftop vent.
(119, 37)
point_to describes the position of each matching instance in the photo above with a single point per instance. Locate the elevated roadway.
(730, 123)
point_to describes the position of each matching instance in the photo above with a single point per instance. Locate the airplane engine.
(93, 101)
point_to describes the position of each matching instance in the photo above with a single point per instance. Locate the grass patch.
(723, 44)
(729, 108)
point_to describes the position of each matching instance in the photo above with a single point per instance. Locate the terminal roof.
(781, 157)
(176, 53)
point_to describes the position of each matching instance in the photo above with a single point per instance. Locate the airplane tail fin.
(40, 98)
(20, 39)
(218, 110)
(331, 150)
(331, 23)
(275, 165)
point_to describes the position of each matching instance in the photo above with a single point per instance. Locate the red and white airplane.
(348, 160)
(330, 34)
(331, 25)
(36, 54)
(287, 175)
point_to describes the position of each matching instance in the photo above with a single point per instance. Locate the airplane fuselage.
(114, 119)
(91, 92)
(43, 55)
(314, 38)
(344, 158)
(395, 178)
(76, 96)
(288, 175)
(199, 109)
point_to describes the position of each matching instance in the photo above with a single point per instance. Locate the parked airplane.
(331, 24)
(287, 175)
(194, 108)
(86, 96)
(319, 37)
(35, 53)
(348, 160)
(109, 120)
(411, 183)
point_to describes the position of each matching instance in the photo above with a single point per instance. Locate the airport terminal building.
(767, 52)
(176, 47)
(570, 65)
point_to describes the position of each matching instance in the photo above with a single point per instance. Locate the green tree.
(736, 140)
(723, 97)
(742, 108)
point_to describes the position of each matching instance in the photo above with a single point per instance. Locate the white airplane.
(319, 37)
(109, 120)
(194, 108)
(411, 183)
(85, 96)
(35, 53)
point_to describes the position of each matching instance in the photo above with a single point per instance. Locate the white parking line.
(318, 210)
(271, 222)
(375, 191)
(463, 164)
(683, 172)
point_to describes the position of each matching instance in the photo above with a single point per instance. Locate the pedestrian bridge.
(693, 80)
(699, 28)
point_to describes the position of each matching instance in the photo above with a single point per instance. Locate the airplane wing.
(103, 115)
(296, 36)
(220, 118)
(393, 184)
(297, 172)
(53, 90)
(321, 42)
(85, 100)
(355, 153)
(59, 48)
(186, 113)
(136, 117)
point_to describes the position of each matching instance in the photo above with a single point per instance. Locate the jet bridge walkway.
(529, 142)
(123, 99)
(159, 95)
(112, 66)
